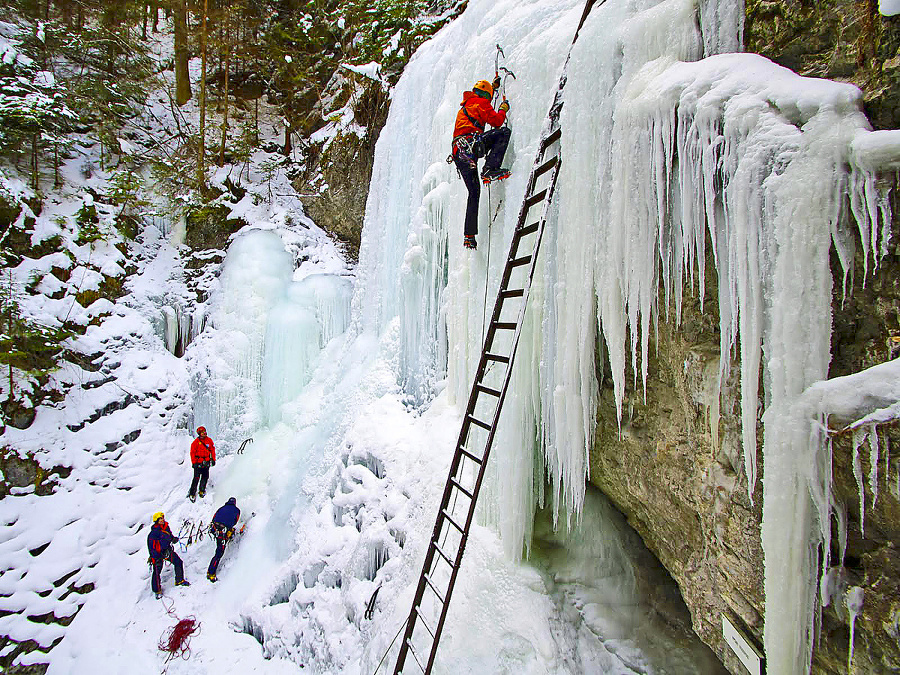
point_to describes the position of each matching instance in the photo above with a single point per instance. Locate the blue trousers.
(157, 570)
(220, 551)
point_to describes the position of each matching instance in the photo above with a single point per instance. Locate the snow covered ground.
(348, 381)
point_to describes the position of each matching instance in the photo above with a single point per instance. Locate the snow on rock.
(889, 7)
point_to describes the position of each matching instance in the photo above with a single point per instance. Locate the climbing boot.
(211, 577)
(192, 496)
(469, 241)
(490, 175)
(202, 495)
(159, 595)
(183, 582)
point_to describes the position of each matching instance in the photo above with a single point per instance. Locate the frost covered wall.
(663, 154)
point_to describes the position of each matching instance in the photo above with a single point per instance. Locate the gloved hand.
(214, 462)
(504, 106)
(195, 465)
(496, 83)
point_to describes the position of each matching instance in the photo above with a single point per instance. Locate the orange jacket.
(203, 450)
(480, 110)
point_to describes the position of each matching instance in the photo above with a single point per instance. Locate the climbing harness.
(176, 641)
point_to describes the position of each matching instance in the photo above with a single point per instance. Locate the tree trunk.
(225, 103)
(182, 76)
(35, 176)
(201, 158)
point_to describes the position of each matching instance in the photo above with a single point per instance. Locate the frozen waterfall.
(673, 151)
(729, 151)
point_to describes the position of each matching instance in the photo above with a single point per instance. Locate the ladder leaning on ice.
(457, 509)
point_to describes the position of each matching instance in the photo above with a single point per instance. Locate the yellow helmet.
(484, 86)
(159, 515)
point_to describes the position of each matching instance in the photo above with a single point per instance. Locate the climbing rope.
(176, 641)
(387, 651)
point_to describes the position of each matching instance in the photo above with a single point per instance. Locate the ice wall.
(662, 153)
(264, 337)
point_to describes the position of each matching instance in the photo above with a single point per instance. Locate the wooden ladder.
(489, 389)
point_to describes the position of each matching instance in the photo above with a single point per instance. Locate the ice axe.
(497, 66)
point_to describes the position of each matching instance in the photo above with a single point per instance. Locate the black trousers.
(495, 143)
(201, 475)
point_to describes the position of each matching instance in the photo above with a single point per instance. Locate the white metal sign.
(749, 655)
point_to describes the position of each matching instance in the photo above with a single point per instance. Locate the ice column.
(228, 360)
(311, 313)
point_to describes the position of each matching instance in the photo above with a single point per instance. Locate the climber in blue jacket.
(222, 528)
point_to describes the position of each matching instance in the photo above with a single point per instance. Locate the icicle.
(859, 437)
(853, 601)
(873, 463)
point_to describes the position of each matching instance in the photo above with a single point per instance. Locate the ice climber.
(203, 455)
(471, 142)
(159, 543)
(222, 528)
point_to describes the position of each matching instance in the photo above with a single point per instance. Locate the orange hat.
(484, 86)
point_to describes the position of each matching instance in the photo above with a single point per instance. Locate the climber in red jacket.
(203, 455)
(471, 141)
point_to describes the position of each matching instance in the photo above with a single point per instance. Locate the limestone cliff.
(686, 495)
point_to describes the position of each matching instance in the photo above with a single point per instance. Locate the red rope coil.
(176, 641)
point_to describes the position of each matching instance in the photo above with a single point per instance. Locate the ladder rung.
(546, 166)
(412, 651)
(496, 357)
(479, 423)
(423, 621)
(527, 229)
(488, 390)
(503, 325)
(468, 454)
(514, 293)
(452, 522)
(551, 139)
(518, 262)
(434, 588)
(535, 199)
(442, 554)
(462, 489)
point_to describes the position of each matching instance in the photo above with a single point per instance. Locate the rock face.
(344, 165)
(687, 496)
(845, 40)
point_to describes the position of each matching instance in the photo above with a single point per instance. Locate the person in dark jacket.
(203, 455)
(159, 543)
(471, 141)
(222, 527)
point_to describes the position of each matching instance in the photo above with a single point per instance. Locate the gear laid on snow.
(203, 455)
(176, 640)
